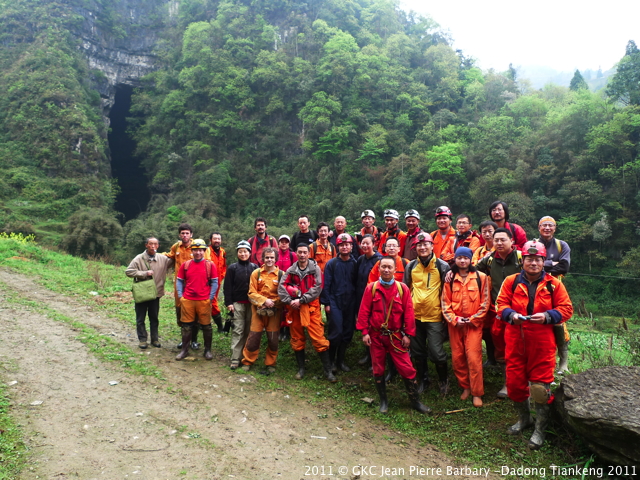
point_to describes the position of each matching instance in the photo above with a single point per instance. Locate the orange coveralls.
(463, 299)
(220, 261)
(443, 247)
(401, 263)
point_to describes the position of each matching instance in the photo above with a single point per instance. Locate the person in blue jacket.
(338, 296)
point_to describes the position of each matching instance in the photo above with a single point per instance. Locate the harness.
(384, 330)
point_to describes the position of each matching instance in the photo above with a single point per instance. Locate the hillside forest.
(276, 108)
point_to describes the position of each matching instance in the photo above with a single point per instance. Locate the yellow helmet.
(198, 243)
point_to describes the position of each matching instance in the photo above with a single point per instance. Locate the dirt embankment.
(204, 422)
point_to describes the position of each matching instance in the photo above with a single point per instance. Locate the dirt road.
(203, 422)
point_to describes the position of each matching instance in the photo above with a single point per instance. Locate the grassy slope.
(473, 436)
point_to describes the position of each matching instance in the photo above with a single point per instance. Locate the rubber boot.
(281, 335)
(300, 359)
(382, 393)
(287, 333)
(333, 349)
(542, 420)
(366, 360)
(342, 351)
(391, 370)
(194, 336)
(218, 321)
(563, 349)
(326, 365)
(412, 390)
(228, 324)
(207, 334)
(524, 417)
(186, 341)
(420, 367)
(443, 377)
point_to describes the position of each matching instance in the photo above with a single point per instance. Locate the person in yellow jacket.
(265, 312)
(425, 278)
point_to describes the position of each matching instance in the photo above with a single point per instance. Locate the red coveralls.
(373, 314)
(531, 347)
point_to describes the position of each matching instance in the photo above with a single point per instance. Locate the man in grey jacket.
(144, 266)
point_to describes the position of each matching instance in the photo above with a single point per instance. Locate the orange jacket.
(401, 263)
(514, 297)
(472, 242)
(463, 299)
(401, 236)
(181, 255)
(443, 248)
(322, 254)
(263, 285)
(220, 261)
(480, 253)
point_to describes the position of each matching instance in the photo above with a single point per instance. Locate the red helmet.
(421, 237)
(292, 290)
(534, 248)
(443, 210)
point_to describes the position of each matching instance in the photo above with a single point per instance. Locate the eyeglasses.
(462, 223)
(548, 225)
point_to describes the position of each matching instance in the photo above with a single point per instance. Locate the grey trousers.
(241, 328)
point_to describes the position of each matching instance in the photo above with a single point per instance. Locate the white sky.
(561, 34)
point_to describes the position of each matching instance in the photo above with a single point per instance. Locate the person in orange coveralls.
(531, 303)
(465, 303)
(386, 322)
(218, 256)
(445, 236)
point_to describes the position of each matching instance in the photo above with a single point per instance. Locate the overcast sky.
(561, 34)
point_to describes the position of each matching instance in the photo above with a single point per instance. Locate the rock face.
(119, 37)
(603, 406)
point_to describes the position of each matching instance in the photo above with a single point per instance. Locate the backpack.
(518, 259)
(453, 277)
(208, 265)
(332, 249)
(550, 287)
(270, 241)
(398, 286)
(280, 273)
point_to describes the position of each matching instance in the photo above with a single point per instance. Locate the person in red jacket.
(499, 213)
(391, 218)
(531, 303)
(260, 241)
(386, 322)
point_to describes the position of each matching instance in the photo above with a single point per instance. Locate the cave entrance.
(125, 166)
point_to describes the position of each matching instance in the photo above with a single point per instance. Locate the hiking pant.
(252, 347)
(315, 328)
(466, 354)
(343, 320)
(380, 346)
(195, 311)
(429, 341)
(241, 326)
(152, 307)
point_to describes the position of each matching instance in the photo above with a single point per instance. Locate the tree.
(577, 82)
(624, 87)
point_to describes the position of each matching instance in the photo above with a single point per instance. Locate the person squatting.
(403, 290)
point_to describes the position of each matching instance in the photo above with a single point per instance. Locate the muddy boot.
(326, 365)
(542, 420)
(382, 393)
(342, 351)
(524, 418)
(194, 336)
(443, 377)
(412, 390)
(366, 360)
(391, 370)
(300, 359)
(186, 341)
(332, 357)
(207, 334)
(228, 324)
(218, 321)
(563, 349)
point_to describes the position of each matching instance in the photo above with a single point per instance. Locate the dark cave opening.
(125, 166)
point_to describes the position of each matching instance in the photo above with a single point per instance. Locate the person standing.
(337, 296)
(286, 258)
(557, 264)
(391, 218)
(425, 278)
(365, 263)
(412, 220)
(218, 256)
(465, 236)
(340, 227)
(387, 324)
(260, 240)
(530, 304)
(181, 252)
(197, 285)
(465, 302)
(499, 213)
(236, 296)
(304, 235)
(368, 228)
(143, 267)
(265, 312)
(322, 250)
(392, 247)
(486, 234)
(445, 236)
(300, 288)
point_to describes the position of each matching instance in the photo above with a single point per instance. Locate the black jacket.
(236, 283)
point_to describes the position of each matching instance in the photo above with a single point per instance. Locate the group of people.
(405, 291)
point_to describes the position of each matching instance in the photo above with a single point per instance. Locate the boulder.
(602, 405)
